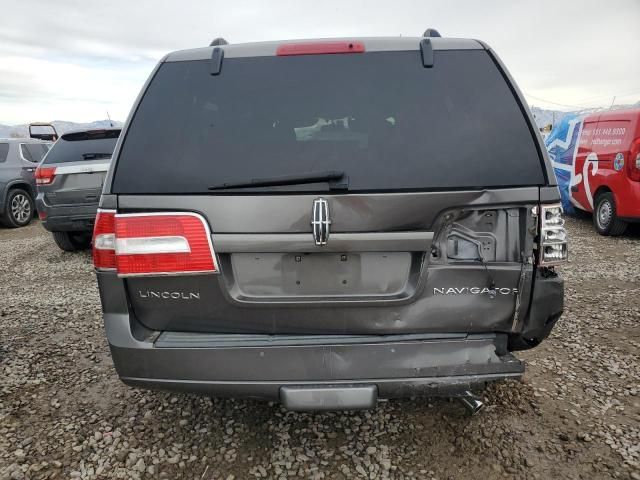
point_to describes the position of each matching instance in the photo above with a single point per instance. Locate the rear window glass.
(4, 151)
(33, 152)
(381, 118)
(83, 146)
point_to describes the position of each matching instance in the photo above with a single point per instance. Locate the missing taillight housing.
(553, 236)
(45, 175)
(148, 244)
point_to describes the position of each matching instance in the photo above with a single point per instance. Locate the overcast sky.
(77, 59)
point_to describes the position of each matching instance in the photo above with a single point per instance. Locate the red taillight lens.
(163, 244)
(633, 165)
(319, 48)
(45, 175)
(140, 244)
(104, 240)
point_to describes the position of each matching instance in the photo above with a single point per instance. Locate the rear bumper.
(67, 218)
(259, 367)
(382, 389)
(348, 370)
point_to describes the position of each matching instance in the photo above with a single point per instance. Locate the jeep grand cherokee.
(69, 182)
(326, 223)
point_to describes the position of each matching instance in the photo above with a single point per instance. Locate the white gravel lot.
(64, 413)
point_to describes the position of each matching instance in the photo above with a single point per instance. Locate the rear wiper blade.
(300, 179)
(91, 156)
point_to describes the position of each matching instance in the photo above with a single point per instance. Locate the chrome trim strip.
(419, 241)
(92, 168)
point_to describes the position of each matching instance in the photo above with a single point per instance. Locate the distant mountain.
(545, 117)
(62, 126)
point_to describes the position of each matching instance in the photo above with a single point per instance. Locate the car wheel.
(19, 209)
(605, 218)
(72, 241)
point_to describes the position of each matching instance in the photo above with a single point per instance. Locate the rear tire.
(605, 218)
(72, 241)
(19, 209)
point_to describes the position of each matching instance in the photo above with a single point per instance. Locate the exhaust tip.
(472, 403)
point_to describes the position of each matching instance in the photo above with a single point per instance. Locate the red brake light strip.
(319, 48)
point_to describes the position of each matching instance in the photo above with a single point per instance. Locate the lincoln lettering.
(169, 295)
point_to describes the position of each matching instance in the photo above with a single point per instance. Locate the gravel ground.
(64, 413)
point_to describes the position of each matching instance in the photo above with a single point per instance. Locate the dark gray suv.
(19, 158)
(328, 223)
(69, 182)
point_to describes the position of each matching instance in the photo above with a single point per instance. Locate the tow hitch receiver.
(330, 397)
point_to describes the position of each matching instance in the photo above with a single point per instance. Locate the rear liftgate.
(476, 268)
(331, 300)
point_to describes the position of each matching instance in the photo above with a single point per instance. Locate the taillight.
(319, 48)
(553, 236)
(144, 244)
(633, 166)
(104, 240)
(45, 175)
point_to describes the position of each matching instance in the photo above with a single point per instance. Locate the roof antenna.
(216, 42)
(110, 122)
(431, 32)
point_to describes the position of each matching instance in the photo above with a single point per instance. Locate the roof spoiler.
(51, 137)
(426, 49)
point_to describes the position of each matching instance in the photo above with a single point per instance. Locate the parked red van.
(606, 170)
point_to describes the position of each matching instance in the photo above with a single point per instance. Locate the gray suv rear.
(19, 158)
(326, 223)
(69, 182)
